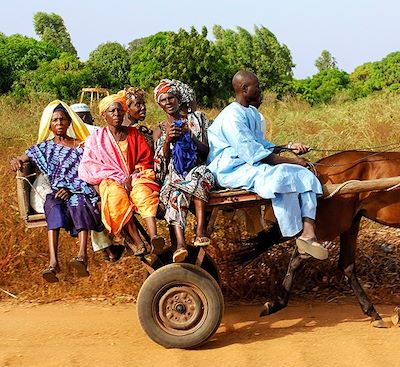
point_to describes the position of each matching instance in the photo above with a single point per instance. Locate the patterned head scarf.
(167, 86)
(186, 92)
(133, 93)
(120, 97)
(76, 129)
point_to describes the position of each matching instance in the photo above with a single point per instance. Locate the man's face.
(253, 93)
(137, 109)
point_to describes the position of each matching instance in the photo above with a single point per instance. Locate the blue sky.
(354, 31)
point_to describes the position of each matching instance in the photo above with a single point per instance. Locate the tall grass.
(366, 123)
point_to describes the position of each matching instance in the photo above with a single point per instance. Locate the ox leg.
(348, 243)
(281, 301)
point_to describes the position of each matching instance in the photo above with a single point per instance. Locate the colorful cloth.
(178, 191)
(108, 164)
(77, 128)
(184, 152)
(60, 164)
(237, 148)
(166, 86)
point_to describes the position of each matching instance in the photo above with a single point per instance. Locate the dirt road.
(96, 334)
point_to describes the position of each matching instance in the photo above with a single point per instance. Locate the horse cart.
(180, 305)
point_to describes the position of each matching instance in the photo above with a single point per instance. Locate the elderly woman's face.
(59, 123)
(169, 103)
(114, 115)
(137, 109)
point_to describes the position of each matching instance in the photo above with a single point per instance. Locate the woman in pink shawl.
(118, 159)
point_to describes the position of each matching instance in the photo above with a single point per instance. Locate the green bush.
(321, 87)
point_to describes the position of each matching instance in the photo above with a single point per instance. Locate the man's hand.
(63, 194)
(299, 148)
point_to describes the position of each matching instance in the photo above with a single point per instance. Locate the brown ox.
(341, 215)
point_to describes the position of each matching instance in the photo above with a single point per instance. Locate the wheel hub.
(180, 308)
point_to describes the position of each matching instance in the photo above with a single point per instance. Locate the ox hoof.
(379, 324)
(395, 316)
(267, 310)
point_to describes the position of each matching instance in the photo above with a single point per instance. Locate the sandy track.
(93, 334)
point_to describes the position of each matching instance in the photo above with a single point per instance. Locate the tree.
(19, 54)
(50, 28)
(326, 61)
(110, 63)
(63, 77)
(260, 53)
(187, 56)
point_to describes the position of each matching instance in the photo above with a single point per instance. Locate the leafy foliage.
(51, 29)
(321, 87)
(326, 61)
(187, 56)
(260, 53)
(110, 64)
(63, 78)
(376, 76)
(19, 54)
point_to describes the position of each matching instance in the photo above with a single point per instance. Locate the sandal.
(179, 255)
(201, 242)
(157, 245)
(137, 250)
(116, 252)
(50, 274)
(80, 265)
(312, 247)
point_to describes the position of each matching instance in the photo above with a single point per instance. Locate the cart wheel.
(180, 306)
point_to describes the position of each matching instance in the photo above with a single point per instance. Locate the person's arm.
(274, 159)
(297, 148)
(16, 163)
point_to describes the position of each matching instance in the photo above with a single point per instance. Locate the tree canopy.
(51, 29)
(326, 61)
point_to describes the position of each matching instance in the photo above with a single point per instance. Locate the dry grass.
(23, 253)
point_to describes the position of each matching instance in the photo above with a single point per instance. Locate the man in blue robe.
(240, 157)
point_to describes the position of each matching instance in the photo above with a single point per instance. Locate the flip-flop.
(117, 251)
(80, 266)
(202, 242)
(157, 245)
(50, 274)
(179, 255)
(313, 248)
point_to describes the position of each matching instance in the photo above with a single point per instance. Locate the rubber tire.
(173, 276)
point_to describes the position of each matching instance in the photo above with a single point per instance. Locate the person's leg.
(180, 253)
(50, 273)
(79, 263)
(307, 241)
(200, 210)
(53, 236)
(157, 242)
(133, 239)
(83, 237)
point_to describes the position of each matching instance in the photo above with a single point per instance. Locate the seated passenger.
(118, 159)
(136, 112)
(180, 152)
(72, 204)
(240, 157)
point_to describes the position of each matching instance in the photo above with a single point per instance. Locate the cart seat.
(25, 178)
